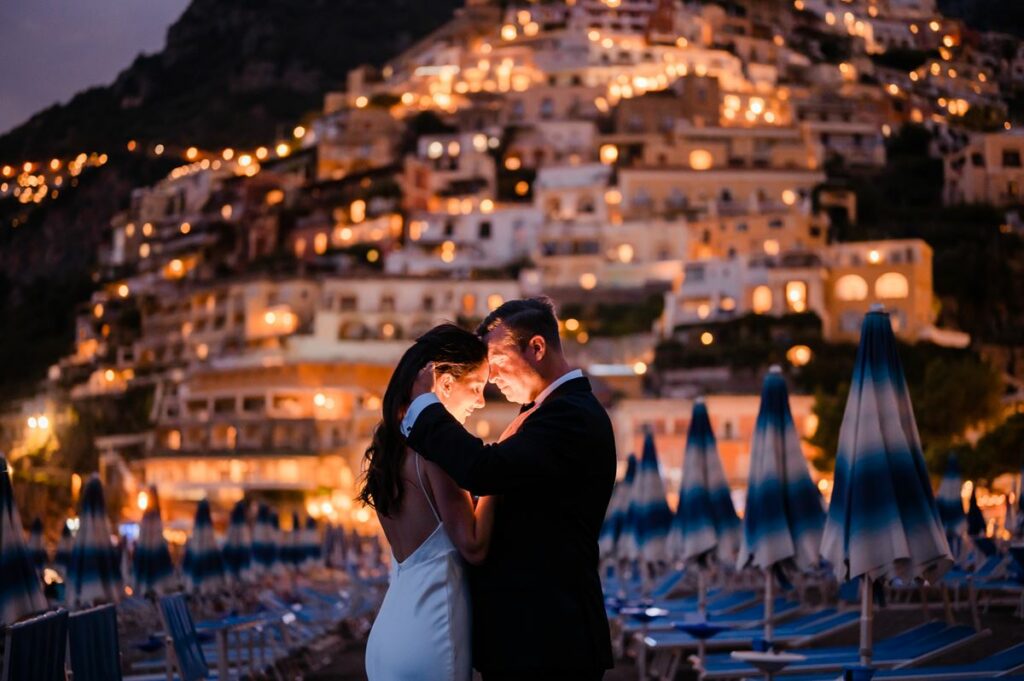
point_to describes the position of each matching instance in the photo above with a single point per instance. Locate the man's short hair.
(524, 319)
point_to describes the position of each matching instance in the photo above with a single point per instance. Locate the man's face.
(510, 368)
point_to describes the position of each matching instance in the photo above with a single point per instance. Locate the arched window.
(851, 287)
(892, 285)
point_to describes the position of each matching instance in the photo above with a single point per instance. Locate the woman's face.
(462, 396)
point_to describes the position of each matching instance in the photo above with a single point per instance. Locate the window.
(977, 160)
(547, 108)
(347, 304)
(387, 303)
(892, 285)
(851, 287)
(1011, 158)
(762, 300)
(254, 404)
(485, 229)
(796, 296)
(224, 405)
(428, 303)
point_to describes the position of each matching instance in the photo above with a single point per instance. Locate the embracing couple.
(529, 603)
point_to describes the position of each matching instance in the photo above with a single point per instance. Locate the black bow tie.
(526, 407)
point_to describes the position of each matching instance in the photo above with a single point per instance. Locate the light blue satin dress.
(422, 632)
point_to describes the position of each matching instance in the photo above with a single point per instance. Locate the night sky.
(51, 49)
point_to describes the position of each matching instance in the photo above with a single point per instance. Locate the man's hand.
(424, 382)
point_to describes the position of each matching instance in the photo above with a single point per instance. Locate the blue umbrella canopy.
(311, 543)
(784, 516)
(651, 517)
(152, 569)
(94, 575)
(976, 524)
(21, 593)
(618, 508)
(238, 545)
(36, 548)
(949, 500)
(264, 541)
(203, 564)
(62, 558)
(705, 522)
(281, 553)
(883, 519)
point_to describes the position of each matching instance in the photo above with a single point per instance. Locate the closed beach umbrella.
(94, 575)
(204, 564)
(311, 540)
(62, 558)
(949, 500)
(238, 545)
(784, 516)
(705, 526)
(883, 520)
(976, 524)
(264, 541)
(618, 507)
(36, 548)
(21, 592)
(645, 542)
(705, 521)
(152, 569)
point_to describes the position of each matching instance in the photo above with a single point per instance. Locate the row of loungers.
(227, 648)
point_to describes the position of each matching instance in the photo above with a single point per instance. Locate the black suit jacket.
(537, 599)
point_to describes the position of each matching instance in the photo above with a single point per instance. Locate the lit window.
(796, 296)
(762, 300)
(892, 285)
(851, 287)
(700, 159)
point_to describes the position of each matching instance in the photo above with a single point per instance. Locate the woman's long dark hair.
(454, 351)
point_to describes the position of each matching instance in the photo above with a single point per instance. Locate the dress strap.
(430, 501)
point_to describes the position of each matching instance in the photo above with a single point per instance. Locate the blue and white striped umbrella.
(94, 575)
(152, 569)
(784, 515)
(238, 545)
(311, 544)
(883, 520)
(293, 552)
(21, 592)
(705, 523)
(62, 558)
(264, 541)
(203, 564)
(618, 508)
(280, 565)
(651, 517)
(36, 547)
(950, 501)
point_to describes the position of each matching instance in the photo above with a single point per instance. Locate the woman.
(422, 631)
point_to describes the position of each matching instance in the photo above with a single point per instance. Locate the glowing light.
(357, 211)
(123, 291)
(282, 149)
(191, 153)
(588, 280)
(609, 154)
(771, 247)
(494, 301)
(522, 188)
(874, 257)
(707, 338)
(799, 355)
(512, 163)
(508, 32)
(299, 132)
(228, 154)
(640, 368)
(789, 197)
(572, 324)
(143, 500)
(362, 101)
(158, 149)
(625, 253)
(700, 159)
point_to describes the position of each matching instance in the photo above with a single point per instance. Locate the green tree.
(999, 451)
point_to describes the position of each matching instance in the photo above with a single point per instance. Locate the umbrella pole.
(866, 617)
(769, 604)
(702, 597)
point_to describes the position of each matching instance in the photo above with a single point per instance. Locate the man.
(538, 608)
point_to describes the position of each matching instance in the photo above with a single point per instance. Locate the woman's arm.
(469, 529)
